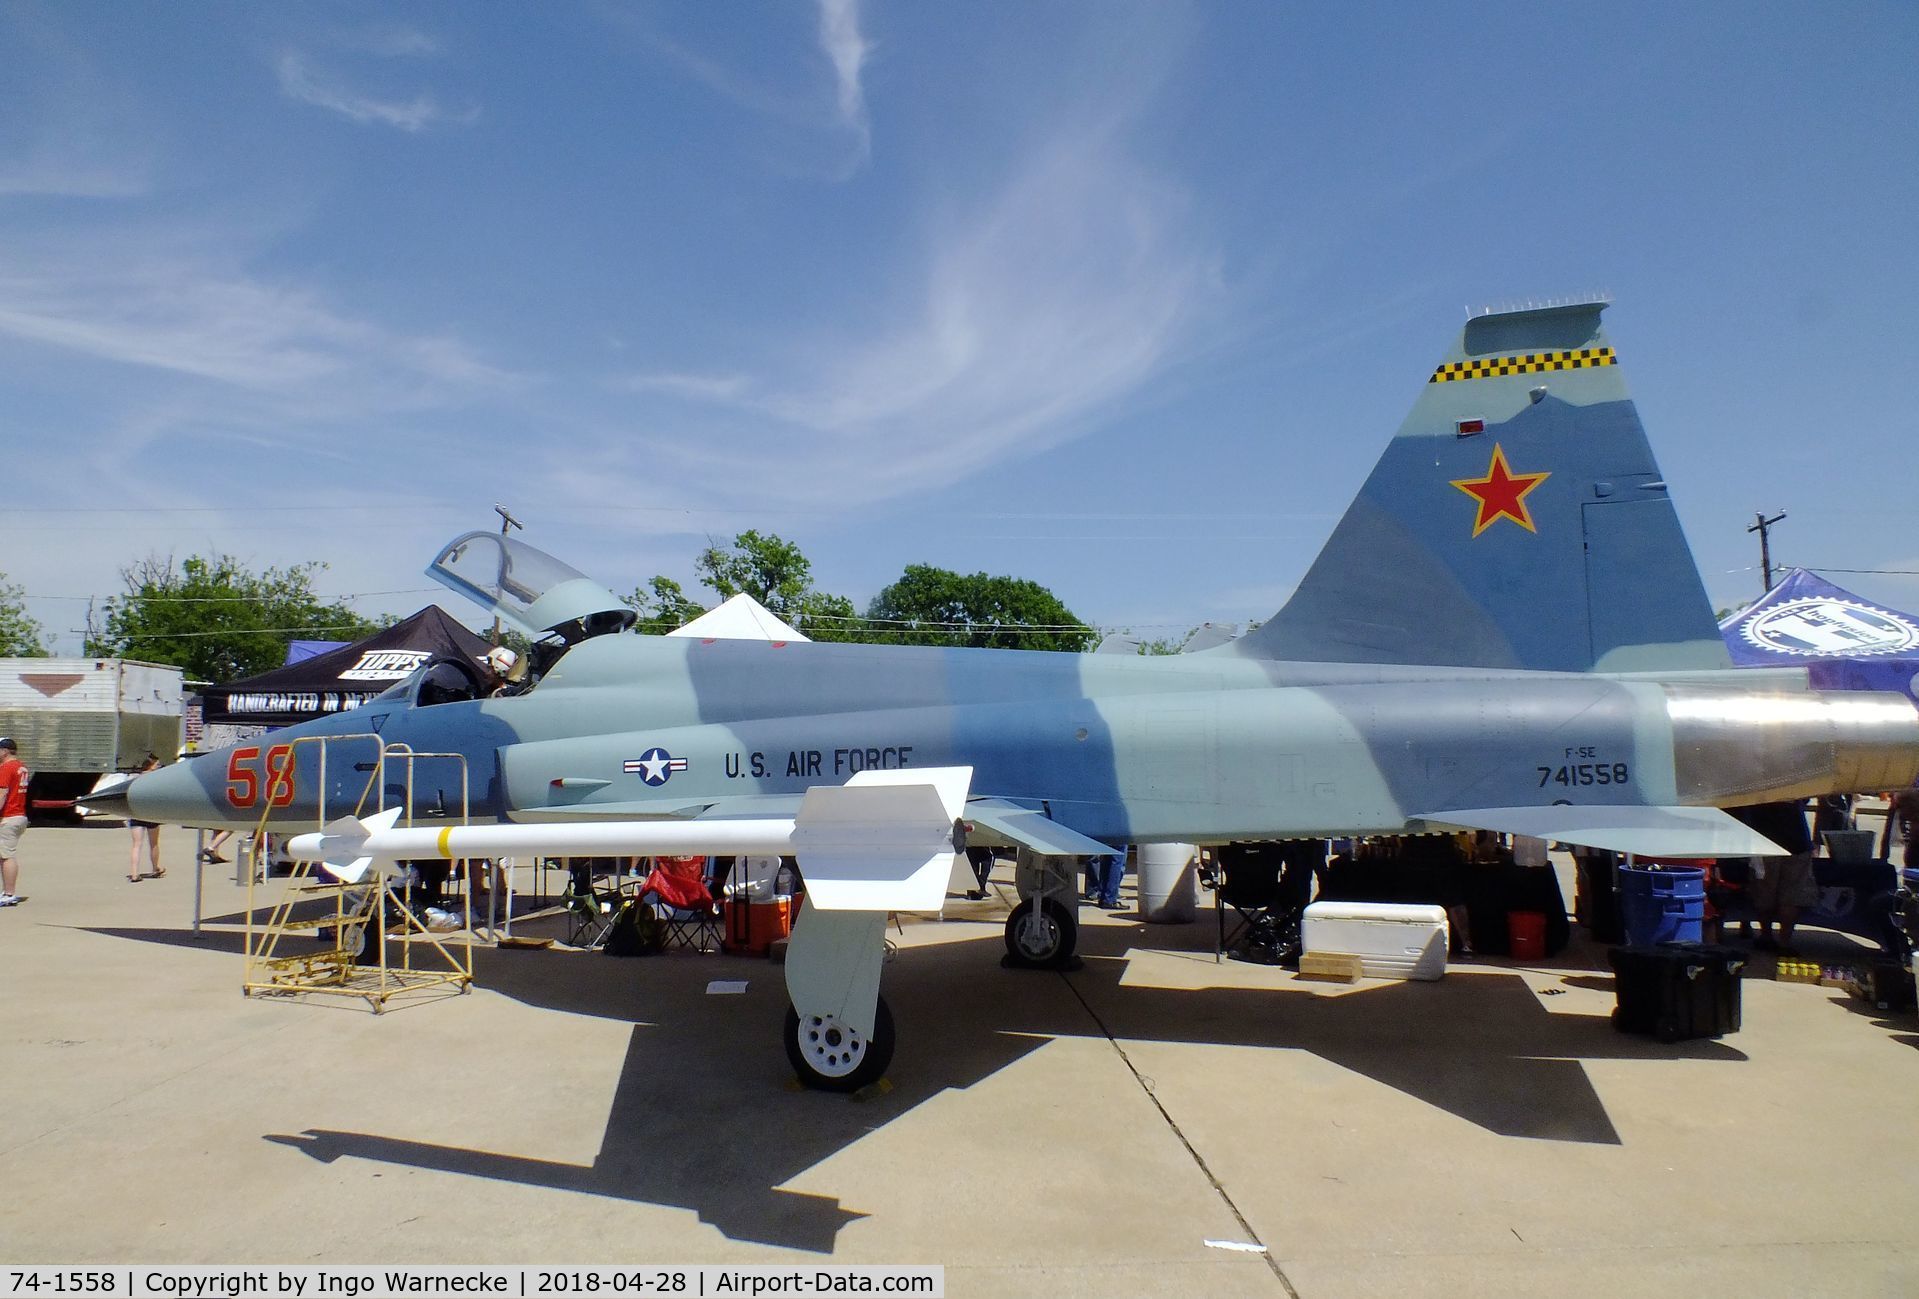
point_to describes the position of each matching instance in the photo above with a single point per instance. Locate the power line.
(571, 508)
(135, 638)
(157, 598)
(934, 622)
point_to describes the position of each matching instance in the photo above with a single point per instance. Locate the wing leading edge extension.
(1645, 831)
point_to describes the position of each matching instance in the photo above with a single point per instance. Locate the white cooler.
(1393, 940)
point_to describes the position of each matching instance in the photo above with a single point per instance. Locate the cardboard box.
(1334, 967)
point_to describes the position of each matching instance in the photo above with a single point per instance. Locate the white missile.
(883, 841)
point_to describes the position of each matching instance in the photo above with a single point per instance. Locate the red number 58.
(243, 780)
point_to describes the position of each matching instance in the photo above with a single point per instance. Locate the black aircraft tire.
(813, 1051)
(1062, 933)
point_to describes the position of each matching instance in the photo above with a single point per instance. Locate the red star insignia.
(1501, 493)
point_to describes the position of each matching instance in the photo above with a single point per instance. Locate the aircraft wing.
(1034, 830)
(1643, 831)
(1020, 825)
(744, 806)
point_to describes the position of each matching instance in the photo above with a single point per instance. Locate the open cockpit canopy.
(527, 588)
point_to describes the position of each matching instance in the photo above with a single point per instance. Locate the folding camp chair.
(680, 893)
(1265, 886)
(590, 908)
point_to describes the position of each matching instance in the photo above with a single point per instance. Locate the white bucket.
(1168, 889)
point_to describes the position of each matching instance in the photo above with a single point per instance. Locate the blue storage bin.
(1662, 905)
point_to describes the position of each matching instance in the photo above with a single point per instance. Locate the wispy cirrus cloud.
(702, 387)
(1069, 288)
(61, 174)
(142, 302)
(392, 41)
(302, 80)
(848, 49)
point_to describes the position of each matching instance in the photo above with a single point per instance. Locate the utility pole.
(1766, 547)
(506, 521)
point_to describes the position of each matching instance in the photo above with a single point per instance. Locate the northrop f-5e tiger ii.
(1505, 632)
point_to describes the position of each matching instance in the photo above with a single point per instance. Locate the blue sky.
(1122, 298)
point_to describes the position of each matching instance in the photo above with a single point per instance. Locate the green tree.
(19, 633)
(663, 606)
(767, 567)
(830, 617)
(216, 619)
(763, 565)
(933, 606)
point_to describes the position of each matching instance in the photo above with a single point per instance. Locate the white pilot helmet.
(503, 663)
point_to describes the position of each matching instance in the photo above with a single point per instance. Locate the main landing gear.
(830, 1054)
(1043, 931)
(838, 1032)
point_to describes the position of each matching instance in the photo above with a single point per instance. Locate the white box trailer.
(78, 718)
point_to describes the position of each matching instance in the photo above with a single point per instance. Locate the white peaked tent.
(740, 618)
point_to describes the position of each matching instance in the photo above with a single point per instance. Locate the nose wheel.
(828, 1054)
(1042, 933)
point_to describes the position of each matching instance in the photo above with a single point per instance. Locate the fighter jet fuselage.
(1200, 748)
(1505, 632)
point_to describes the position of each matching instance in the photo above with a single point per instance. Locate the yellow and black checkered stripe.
(1530, 363)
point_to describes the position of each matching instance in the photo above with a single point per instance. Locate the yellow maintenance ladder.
(358, 918)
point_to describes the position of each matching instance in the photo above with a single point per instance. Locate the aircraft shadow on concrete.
(710, 1122)
(705, 1116)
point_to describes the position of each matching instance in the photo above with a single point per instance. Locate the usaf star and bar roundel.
(1501, 493)
(656, 766)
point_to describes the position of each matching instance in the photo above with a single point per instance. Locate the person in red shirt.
(13, 818)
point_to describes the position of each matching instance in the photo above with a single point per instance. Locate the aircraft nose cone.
(173, 795)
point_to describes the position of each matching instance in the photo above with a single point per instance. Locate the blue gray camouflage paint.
(1506, 621)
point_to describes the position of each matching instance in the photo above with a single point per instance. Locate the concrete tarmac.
(1102, 1132)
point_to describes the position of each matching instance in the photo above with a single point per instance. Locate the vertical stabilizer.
(1517, 520)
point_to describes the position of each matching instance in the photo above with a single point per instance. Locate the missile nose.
(174, 795)
(110, 800)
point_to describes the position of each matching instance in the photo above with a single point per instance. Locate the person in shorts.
(1780, 888)
(13, 818)
(147, 833)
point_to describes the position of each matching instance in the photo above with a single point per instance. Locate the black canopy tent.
(344, 678)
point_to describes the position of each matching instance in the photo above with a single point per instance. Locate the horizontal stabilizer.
(1033, 830)
(1642, 831)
